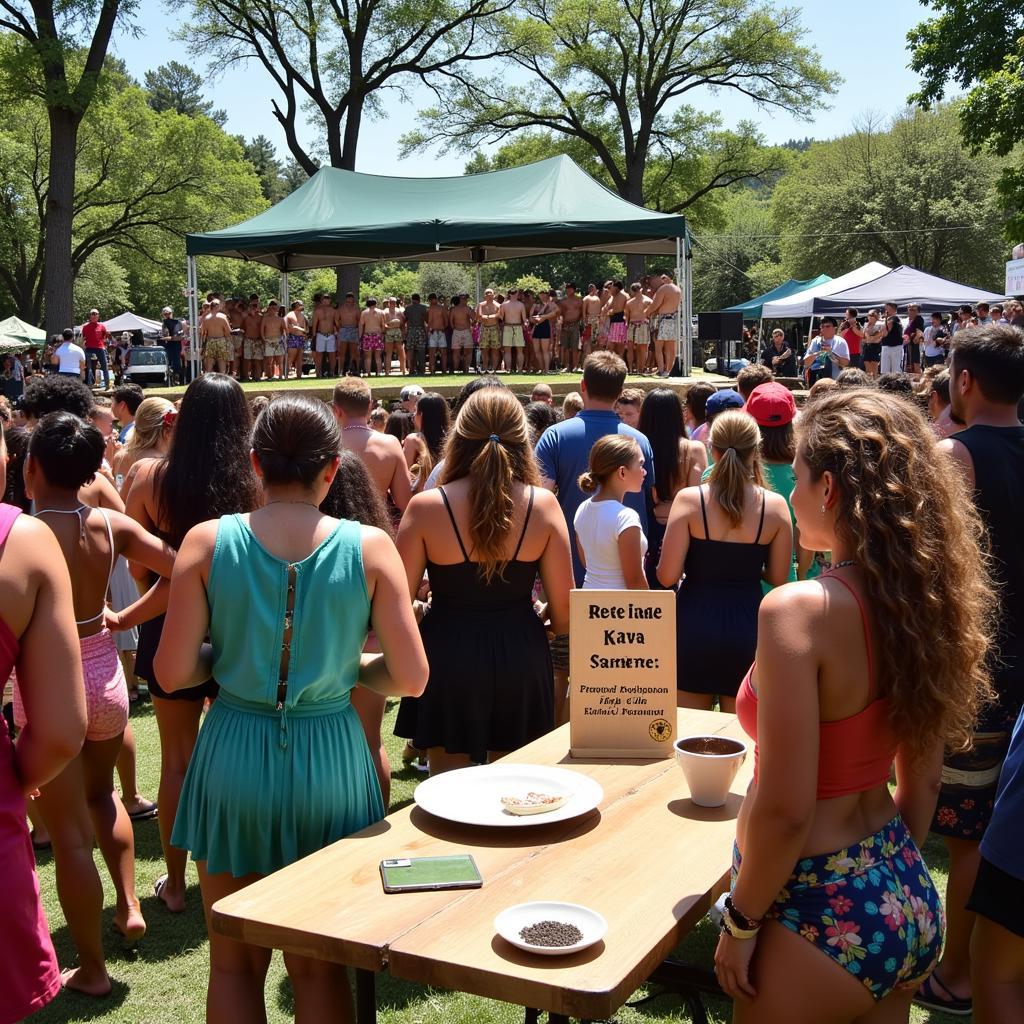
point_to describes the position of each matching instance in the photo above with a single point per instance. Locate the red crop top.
(854, 754)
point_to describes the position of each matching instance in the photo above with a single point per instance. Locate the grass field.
(560, 382)
(164, 980)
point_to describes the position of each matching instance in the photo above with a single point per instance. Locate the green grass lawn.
(164, 980)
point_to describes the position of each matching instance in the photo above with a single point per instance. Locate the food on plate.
(533, 803)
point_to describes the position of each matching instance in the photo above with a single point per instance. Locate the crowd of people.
(849, 579)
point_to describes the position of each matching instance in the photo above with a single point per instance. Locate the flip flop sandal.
(934, 995)
(147, 810)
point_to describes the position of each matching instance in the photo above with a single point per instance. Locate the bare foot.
(174, 902)
(130, 923)
(75, 980)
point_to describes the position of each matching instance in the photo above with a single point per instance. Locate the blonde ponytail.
(735, 439)
(609, 454)
(587, 483)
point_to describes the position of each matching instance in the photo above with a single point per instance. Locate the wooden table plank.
(331, 905)
(650, 875)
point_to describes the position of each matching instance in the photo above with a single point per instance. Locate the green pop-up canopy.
(751, 309)
(340, 217)
(14, 328)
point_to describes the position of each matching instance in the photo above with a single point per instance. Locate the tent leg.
(479, 291)
(192, 286)
(684, 331)
(285, 292)
(760, 339)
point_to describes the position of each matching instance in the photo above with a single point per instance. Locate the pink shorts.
(617, 331)
(106, 691)
(372, 343)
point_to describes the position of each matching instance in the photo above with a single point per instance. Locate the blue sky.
(864, 43)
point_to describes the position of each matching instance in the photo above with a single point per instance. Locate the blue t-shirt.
(1004, 836)
(563, 452)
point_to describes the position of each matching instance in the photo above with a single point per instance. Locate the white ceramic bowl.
(510, 922)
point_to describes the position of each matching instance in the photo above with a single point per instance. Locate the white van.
(147, 364)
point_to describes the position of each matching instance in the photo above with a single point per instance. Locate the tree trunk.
(58, 275)
(348, 276)
(634, 192)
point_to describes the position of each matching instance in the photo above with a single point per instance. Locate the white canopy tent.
(802, 304)
(904, 285)
(128, 321)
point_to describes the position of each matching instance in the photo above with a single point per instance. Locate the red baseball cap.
(771, 404)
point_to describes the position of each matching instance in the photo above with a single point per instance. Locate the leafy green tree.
(909, 192)
(143, 180)
(175, 86)
(101, 283)
(263, 157)
(742, 259)
(615, 77)
(445, 279)
(398, 279)
(58, 57)
(978, 45)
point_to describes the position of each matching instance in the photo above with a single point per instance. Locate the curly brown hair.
(906, 511)
(490, 444)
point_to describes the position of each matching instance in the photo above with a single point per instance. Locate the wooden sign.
(622, 673)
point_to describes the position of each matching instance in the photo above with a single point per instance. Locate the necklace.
(357, 426)
(842, 565)
(291, 501)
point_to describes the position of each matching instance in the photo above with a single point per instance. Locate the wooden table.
(649, 860)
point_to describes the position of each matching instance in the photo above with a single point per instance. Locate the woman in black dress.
(723, 538)
(482, 536)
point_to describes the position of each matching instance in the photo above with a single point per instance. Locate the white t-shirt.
(71, 357)
(598, 525)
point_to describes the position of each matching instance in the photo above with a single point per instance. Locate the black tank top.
(998, 457)
(459, 585)
(725, 562)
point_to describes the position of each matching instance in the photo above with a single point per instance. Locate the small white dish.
(509, 923)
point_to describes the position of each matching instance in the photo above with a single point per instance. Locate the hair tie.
(169, 417)
(495, 439)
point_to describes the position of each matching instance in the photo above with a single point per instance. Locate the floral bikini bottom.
(871, 907)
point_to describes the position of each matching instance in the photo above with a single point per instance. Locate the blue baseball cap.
(724, 399)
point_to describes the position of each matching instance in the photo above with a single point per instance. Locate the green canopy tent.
(751, 309)
(343, 217)
(15, 329)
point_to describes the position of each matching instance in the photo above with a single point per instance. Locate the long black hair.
(354, 496)
(207, 473)
(435, 419)
(17, 439)
(661, 421)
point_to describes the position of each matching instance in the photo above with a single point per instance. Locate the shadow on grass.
(73, 1006)
(392, 993)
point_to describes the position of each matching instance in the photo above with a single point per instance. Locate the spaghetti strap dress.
(716, 610)
(491, 684)
(281, 768)
(29, 976)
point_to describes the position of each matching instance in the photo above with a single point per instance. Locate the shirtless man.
(615, 310)
(638, 335)
(437, 341)
(512, 316)
(325, 343)
(591, 319)
(371, 336)
(346, 321)
(272, 335)
(490, 344)
(571, 308)
(416, 335)
(252, 342)
(394, 330)
(235, 310)
(462, 318)
(663, 311)
(215, 331)
(297, 330)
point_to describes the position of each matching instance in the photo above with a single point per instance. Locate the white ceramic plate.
(509, 923)
(472, 796)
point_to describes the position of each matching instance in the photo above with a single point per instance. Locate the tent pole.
(285, 291)
(479, 295)
(760, 336)
(684, 331)
(192, 287)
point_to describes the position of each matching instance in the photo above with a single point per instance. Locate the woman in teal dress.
(281, 769)
(773, 407)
